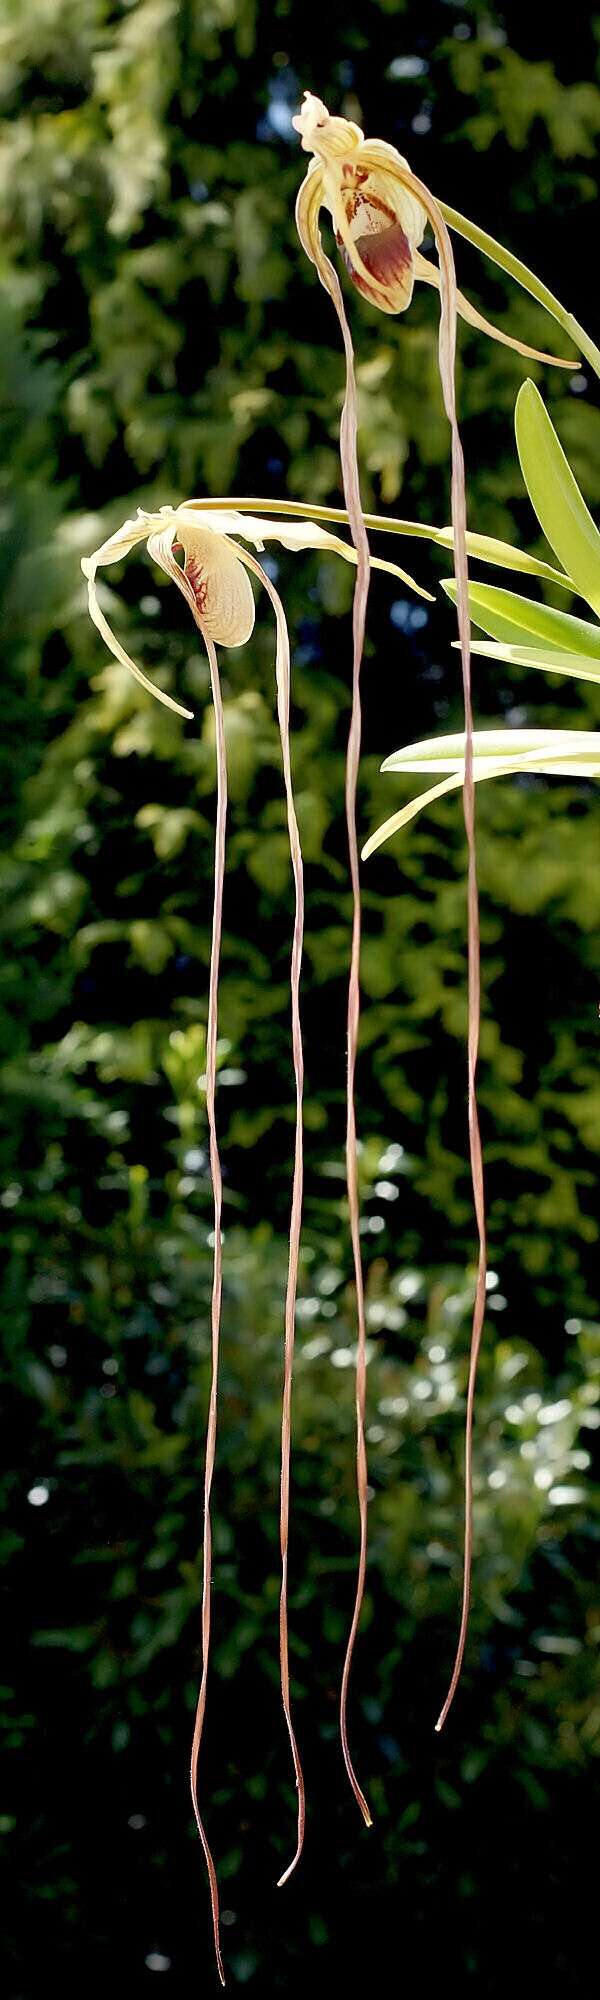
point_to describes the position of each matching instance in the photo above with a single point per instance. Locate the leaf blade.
(555, 495)
(519, 621)
(446, 752)
(550, 753)
(574, 666)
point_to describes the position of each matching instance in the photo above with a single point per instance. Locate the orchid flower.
(379, 222)
(380, 210)
(213, 576)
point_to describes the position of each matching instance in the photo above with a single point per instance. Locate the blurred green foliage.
(162, 336)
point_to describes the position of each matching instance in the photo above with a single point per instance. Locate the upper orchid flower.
(380, 209)
(379, 223)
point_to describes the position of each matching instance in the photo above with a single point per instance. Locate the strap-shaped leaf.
(555, 495)
(445, 753)
(519, 621)
(575, 665)
(399, 819)
(496, 753)
(500, 555)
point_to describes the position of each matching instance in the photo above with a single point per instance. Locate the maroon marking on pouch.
(193, 574)
(386, 255)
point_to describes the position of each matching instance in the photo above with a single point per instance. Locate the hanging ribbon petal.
(430, 275)
(119, 545)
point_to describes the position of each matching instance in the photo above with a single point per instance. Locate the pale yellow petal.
(114, 645)
(377, 251)
(377, 220)
(125, 538)
(378, 157)
(299, 535)
(308, 203)
(430, 275)
(383, 229)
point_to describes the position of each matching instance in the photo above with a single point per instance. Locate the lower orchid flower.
(196, 545)
(212, 576)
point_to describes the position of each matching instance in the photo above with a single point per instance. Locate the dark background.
(163, 336)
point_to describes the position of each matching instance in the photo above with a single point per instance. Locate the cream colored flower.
(379, 223)
(197, 549)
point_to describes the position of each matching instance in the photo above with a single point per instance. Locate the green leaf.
(575, 665)
(496, 753)
(446, 753)
(501, 555)
(517, 620)
(555, 495)
(406, 813)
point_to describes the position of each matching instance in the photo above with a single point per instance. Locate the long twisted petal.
(447, 354)
(430, 275)
(282, 668)
(114, 644)
(349, 456)
(212, 579)
(215, 1167)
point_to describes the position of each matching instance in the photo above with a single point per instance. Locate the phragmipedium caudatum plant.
(379, 210)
